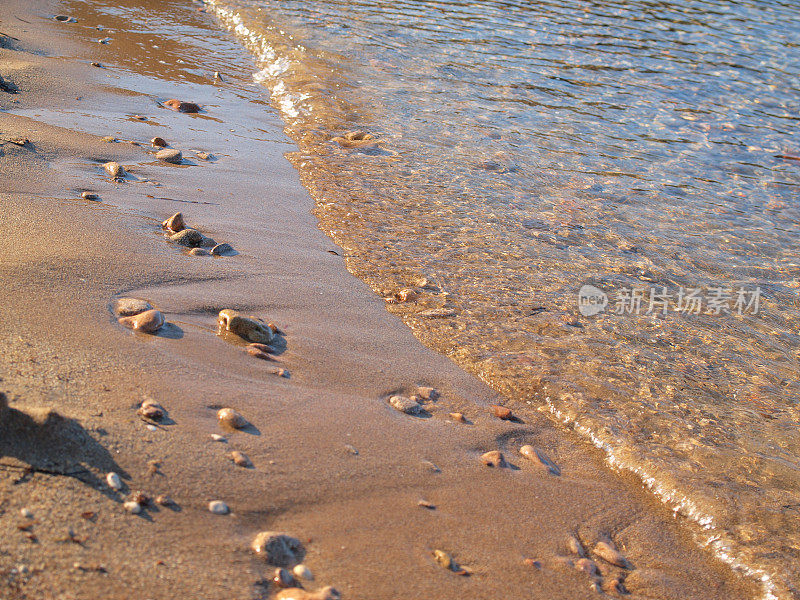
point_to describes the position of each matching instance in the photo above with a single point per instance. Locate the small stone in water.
(501, 412)
(428, 393)
(181, 106)
(133, 507)
(493, 458)
(114, 481)
(406, 295)
(148, 321)
(203, 155)
(575, 547)
(218, 507)
(114, 169)
(610, 554)
(248, 328)
(221, 249)
(303, 572)
(158, 142)
(170, 155)
(89, 196)
(187, 237)
(241, 459)
(405, 405)
(231, 418)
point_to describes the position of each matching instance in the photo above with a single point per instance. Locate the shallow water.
(528, 149)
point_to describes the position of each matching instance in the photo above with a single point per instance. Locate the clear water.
(526, 149)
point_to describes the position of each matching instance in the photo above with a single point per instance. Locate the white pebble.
(26, 512)
(303, 572)
(218, 507)
(114, 481)
(218, 438)
(152, 428)
(133, 507)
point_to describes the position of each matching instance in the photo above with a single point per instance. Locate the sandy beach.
(334, 465)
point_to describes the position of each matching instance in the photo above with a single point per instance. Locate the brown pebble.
(501, 412)
(149, 321)
(614, 585)
(574, 546)
(198, 252)
(230, 418)
(532, 562)
(158, 142)
(428, 393)
(96, 64)
(426, 504)
(241, 459)
(151, 410)
(181, 106)
(175, 223)
(203, 155)
(406, 295)
(457, 416)
(493, 458)
(170, 155)
(610, 554)
(587, 566)
(282, 373)
(114, 169)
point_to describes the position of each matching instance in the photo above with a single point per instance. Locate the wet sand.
(65, 259)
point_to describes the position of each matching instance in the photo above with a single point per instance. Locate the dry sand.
(64, 259)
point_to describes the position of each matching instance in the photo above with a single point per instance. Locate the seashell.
(114, 169)
(406, 295)
(230, 418)
(326, 593)
(198, 252)
(140, 498)
(284, 579)
(587, 566)
(574, 544)
(89, 196)
(163, 500)
(458, 417)
(501, 412)
(132, 507)
(151, 410)
(127, 307)
(303, 572)
(158, 142)
(170, 155)
(221, 249)
(148, 321)
(428, 393)
(241, 459)
(114, 481)
(218, 507)
(278, 549)
(190, 238)
(181, 106)
(248, 328)
(405, 405)
(610, 554)
(538, 457)
(175, 223)
(493, 458)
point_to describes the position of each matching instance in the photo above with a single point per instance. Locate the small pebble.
(151, 410)
(181, 106)
(428, 393)
(218, 438)
(406, 295)
(139, 117)
(170, 155)
(284, 579)
(158, 142)
(148, 321)
(109, 138)
(140, 498)
(221, 249)
(532, 562)
(326, 593)
(89, 196)
(303, 572)
(65, 19)
(230, 418)
(282, 373)
(458, 417)
(241, 459)
(575, 547)
(127, 307)
(175, 223)
(96, 64)
(203, 155)
(430, 466)
(610, 554)
(501, 412)
(198, 252)
(493, 458)
(114, 481)
(218, 507)
(351, 449)
(426, 504)
(26, 513)
(163, 500)
(277, 548)
(190, 238)
(587, 566)
(114, 169)
(133, 507)
(539, 458)
(247, 328)
(405, 405)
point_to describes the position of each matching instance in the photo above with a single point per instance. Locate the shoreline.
(356, 513)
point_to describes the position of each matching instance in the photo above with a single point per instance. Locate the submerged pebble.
(406, 295)
(218, 507)
(148, 321)
(493, 458)
(170, 155)
(127, 307)
(405, 405)
(230, 418)
(114, 169)
(277, 548)
(187, 237)
(248, 328)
